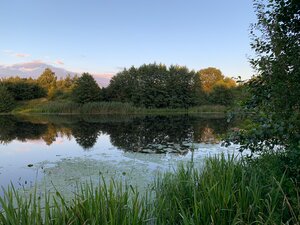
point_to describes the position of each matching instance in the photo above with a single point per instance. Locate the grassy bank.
(225, 191)
(67, 107)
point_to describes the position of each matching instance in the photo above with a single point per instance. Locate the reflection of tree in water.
(134, 136)
(208, 130)
(54, 131)
(12, 128)
(151, 133)
(50, 135)
(85, 133)
(141, 134)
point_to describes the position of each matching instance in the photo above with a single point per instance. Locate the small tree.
(7, 101)
(47, 79)
(86, 89)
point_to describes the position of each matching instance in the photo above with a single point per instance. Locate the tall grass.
(88, 108)
(224, 191)
(66, 107)
(104, 204)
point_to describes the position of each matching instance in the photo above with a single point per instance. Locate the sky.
(104, 36)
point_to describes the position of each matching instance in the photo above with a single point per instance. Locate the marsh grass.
(114, 203)
(224, 191)
(68, 107)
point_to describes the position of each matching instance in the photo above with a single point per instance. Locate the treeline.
(148, 86)
(156, 86)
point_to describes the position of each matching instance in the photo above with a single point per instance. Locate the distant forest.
(148, 86)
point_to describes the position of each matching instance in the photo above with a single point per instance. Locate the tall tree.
(47, 79)
(276, 88)
(209, 77)
(86, 89)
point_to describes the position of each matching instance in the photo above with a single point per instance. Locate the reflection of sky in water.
(64, 161)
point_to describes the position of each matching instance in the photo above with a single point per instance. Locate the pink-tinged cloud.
(31, 69)
(16, 54)
(59, 62)
(36, 68)
(21, 55)
(104, 75)
(103, 79)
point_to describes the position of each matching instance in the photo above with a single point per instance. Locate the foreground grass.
(67, 107)
(225, 191)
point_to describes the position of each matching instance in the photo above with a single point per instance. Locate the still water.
(56, 152)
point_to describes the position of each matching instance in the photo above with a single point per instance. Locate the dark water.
(64, 148)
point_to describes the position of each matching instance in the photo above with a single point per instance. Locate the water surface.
(60, 151)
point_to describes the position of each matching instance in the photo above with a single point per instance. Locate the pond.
(58, 152)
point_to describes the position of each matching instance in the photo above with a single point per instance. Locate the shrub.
(6, 100)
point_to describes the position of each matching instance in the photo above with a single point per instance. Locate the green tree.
(155, 86)
(275, 91)
(7, 101)
(86, 89)
(47, 79)
(23, 88)
(222, 95)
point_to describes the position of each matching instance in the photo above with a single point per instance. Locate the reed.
(67, 107)
(224, 191)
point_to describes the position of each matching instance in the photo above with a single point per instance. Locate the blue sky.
(104, 36)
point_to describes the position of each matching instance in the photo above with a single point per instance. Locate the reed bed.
(224, 191)
(67, 107)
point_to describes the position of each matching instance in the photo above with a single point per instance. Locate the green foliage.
(23, 89)
(105, 204)
(224, 191)
(221, 95)
(7, 102)
(86, 89)
(69, 107)
(227, 191)
(154, 86)
(47, 79)
(275, 91)
(88, 108)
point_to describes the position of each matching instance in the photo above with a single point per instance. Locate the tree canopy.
(211, 77)
(154, 86)
(86, 89)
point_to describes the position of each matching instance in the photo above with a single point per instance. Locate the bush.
(7, 102)
(86, 90)
(24, 90)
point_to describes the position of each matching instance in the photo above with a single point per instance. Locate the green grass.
(68, 107)
(225, 191)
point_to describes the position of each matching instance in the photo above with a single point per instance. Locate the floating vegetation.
(224, 191)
